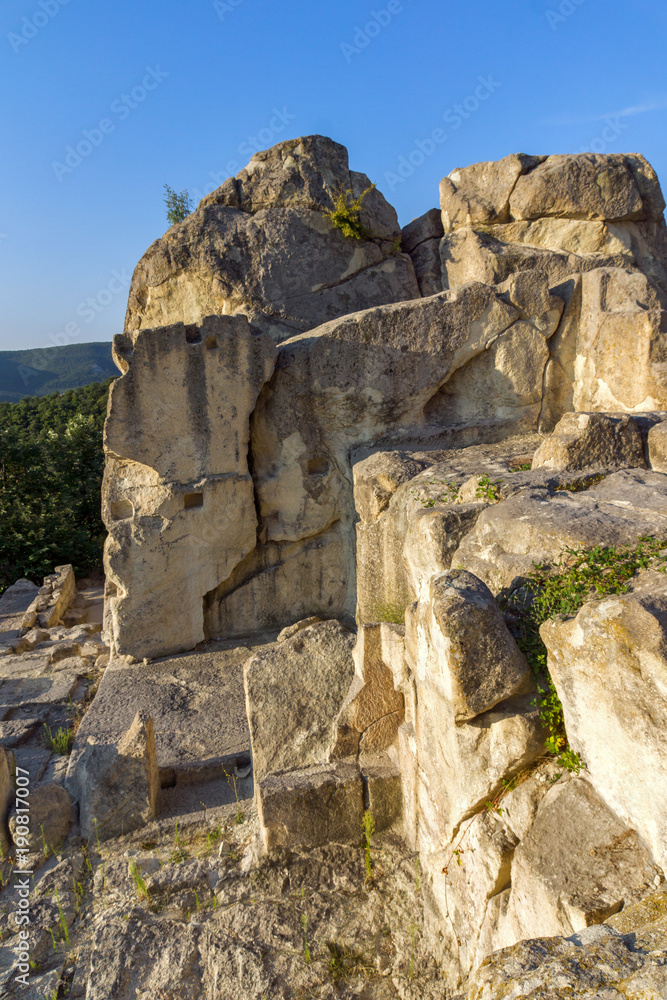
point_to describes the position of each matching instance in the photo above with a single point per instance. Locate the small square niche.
(191, 500)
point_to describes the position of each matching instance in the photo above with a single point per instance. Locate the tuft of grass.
(64, 932)
(368, 825)
(306, 949)
(139, 883)
(521, 467)
(449, 495)
(213, 836)
(239, 816)
(581, 485)
(562, 589)
(385, 611)
(60, 742)
(344, 963)
(411, 969)
(346, 214)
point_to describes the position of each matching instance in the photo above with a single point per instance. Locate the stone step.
(197, 703)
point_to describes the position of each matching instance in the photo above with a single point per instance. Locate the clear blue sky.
(202, 79)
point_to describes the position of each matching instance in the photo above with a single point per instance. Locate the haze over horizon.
(103, 106)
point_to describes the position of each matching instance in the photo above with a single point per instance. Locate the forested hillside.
(51, 466)
(43, 371)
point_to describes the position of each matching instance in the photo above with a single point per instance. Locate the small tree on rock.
(179, 206)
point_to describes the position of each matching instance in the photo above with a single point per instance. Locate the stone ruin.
(328, 457)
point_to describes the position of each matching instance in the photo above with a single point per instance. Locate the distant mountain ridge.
(43, 370)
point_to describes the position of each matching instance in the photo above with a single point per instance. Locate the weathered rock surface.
(657, 446)
(117, 787)
(13, 604)
(582, 204)
(186, 696)
(537, 526)
(335, 389)
(6, 799)
(164, 501)
(614, 188)
(582, 440)
(479, 660)
(52, 600)
(412, 522)
(409, 415)
(262, 245)
(49, 818)
(559, 329)
(294, 692)
(421, 239)
(592, 867)
(598, 962)
(373, 709)
(311, 806)
(547, 215)
(461, 766)
(609, 665)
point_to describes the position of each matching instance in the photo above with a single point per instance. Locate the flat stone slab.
(32, 692)
(14, 732)
(13, 604)
(197, 704)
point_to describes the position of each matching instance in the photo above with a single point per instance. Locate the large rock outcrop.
(262, 245)
(244, 517)
(310, 425)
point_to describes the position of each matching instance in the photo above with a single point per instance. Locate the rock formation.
(348, 468)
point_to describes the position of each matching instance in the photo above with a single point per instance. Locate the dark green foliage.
(179, 206)
(51, 465)
(45, 370)
(581, 575)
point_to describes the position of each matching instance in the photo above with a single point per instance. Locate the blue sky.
(180, 93)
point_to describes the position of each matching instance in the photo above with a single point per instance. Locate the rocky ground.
(187, 909)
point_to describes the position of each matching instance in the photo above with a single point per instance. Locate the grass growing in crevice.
(59, 742)
(385, 611)
(345, 963)
(581, 485)
(346, 214)
(368, 825)
(580, 575)
(139, 882)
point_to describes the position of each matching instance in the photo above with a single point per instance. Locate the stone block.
(313, 806)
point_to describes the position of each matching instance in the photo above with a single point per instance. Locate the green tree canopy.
(51, 466)
(179, 206)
